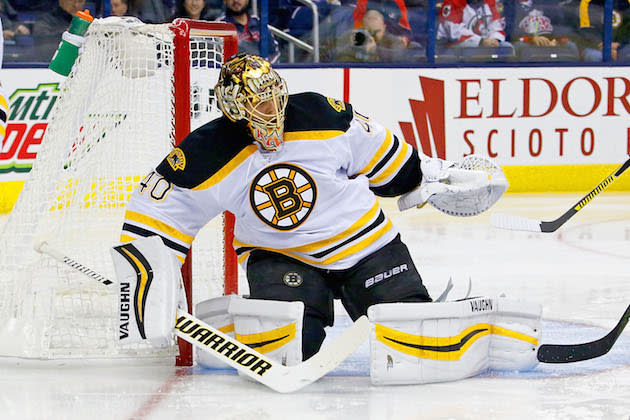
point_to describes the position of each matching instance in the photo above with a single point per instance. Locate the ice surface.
(579, 273)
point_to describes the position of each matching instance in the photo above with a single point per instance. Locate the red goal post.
(186, 31)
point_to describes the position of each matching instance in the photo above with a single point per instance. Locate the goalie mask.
(249, 89)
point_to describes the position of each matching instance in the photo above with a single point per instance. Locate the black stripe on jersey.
(240, 251)
(379, 220)
(385, 159)
(3, 115)
(146, 233)
(309, 111)
(206, 150)
(407, 178)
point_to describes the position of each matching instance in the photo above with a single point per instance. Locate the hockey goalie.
(302, 173)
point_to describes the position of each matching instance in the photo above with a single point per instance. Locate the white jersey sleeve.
(391, 165)
(158, 207)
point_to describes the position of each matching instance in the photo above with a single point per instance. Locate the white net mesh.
(113, 122)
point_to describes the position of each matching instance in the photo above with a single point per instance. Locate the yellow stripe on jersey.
(127, 238)
(159, 225)
(362, 222)
(228, 168)
(369, 240)
(242, 257)
(359, 246)
(395, 166)
(314, 246)
(379, 153)
(312, 135)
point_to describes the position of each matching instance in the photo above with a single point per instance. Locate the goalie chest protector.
(310, 200)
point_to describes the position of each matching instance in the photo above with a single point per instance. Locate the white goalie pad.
(271, 327)
(466, 188)
(215, 312)
(413, 343)
(150, 291)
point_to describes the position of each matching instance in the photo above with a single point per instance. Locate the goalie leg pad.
(150, 291)
(215, 312)
(414, 343)
(516, 335)
(271, 327)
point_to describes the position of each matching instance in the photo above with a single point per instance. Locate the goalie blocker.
(150, 292)
(413, 343)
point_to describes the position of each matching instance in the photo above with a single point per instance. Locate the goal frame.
(183, 29)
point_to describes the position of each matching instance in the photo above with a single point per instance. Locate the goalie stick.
(569, 353)
(240, 356)
(508, 221)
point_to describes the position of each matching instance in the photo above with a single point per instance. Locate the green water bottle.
(72, 39)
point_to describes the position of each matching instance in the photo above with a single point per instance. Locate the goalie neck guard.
(249, 89)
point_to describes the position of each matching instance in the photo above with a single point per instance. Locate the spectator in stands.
(49, 27)
(149, 11)
(471, 24)
(10, 24)
(335, 20)
(535, 37)
(58, 20)
(248, 28)
(280, 12)
(372, 41)
(394, 13)
(34, 5)
(119, 7)
(196, 9)
(591, 16)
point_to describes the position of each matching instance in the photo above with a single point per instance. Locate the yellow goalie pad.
(415, 343)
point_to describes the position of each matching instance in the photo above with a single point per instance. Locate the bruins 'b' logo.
(283, 196)
(336, 104)
(176, 159)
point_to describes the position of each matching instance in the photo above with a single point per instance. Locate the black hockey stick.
(569, 353)
(508, 221)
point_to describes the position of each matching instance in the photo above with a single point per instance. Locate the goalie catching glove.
(150, 292)
(465, 188)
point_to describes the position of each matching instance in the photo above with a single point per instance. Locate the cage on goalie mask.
(249, 89)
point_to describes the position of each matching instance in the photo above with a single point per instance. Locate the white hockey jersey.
(313, 200)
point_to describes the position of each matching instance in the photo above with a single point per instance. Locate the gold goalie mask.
(249, 89)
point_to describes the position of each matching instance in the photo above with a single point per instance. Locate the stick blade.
(330, 356)
(511, 222)
(569, 353)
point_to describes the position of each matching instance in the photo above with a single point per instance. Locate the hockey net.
(135, 91)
